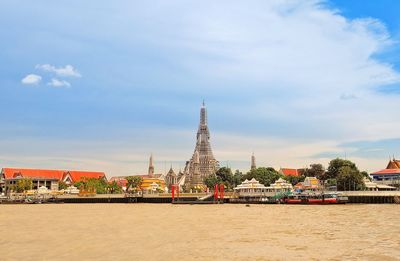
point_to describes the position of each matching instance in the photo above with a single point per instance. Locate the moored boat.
(315, 198)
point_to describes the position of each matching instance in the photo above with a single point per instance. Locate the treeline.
(101, 186)
(341, 173)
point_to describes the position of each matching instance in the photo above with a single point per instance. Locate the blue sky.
(100, 86)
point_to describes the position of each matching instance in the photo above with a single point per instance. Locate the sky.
(93, 85)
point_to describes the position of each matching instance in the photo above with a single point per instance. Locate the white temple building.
(250, 188)
(280, 185)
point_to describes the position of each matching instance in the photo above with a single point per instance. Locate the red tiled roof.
(393, 164)
(79, 175)
(10, 173)
(46, 173)
(121, 181)
(290, 172)
(387, 172)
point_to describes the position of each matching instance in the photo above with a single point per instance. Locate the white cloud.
(66, 71)
(58, 83)
(296, 58)
(31, 79)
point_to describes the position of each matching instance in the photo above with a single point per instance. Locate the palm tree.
(133, 182)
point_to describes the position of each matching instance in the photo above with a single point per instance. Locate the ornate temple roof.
(171, 172)
(253, 183)
(393, 164)
(392, 168)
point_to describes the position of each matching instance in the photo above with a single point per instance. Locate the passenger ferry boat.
(315, 198)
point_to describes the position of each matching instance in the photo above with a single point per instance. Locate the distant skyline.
(101, 86)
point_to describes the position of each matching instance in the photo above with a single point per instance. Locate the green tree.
(365, 175)
(133, 183)
(98, 185)
(294, 179)
(336, 164)
(266, 176)
(92, 184)
(62, 185)
(349, 178)
(23, 185)
(237, 178)
(113, 187)
(211, 180)
(226, 176)
(315, 170)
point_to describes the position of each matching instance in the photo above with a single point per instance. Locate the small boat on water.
(315, 198)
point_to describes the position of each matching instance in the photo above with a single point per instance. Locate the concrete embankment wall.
(366, 197)
(120, 199)
(372, 199)
(96, 200)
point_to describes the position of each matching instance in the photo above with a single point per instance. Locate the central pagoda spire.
(203, 114)
(207, 164)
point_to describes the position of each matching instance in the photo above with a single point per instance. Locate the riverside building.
(44, 177)
(389, 176)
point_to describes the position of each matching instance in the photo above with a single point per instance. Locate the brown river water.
(199, 232)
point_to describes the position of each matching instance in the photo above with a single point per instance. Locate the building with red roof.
(291, 172)
(45, 177)
(391, 173)
(121, 181)
(393, 164)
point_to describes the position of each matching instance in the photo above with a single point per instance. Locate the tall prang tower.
(253, 162)
(202, 164)
(151, 167)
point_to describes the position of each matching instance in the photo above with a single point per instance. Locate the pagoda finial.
(204, 104)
